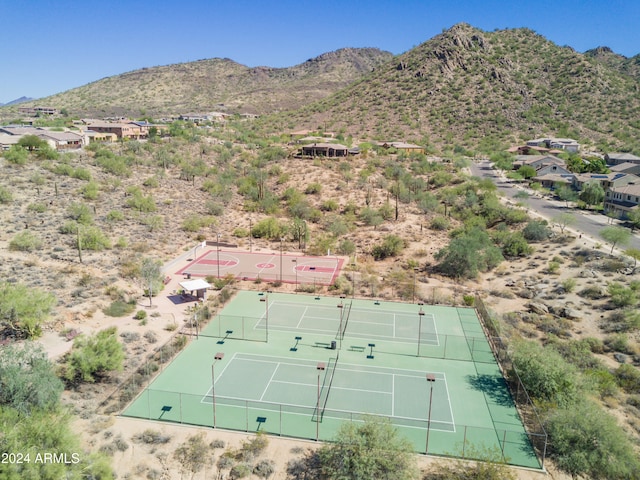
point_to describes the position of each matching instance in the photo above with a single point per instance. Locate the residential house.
(324, 150)
(626, 167)
(7, 141)
(38, 110)
(406, 147)
(537, 161)
(198, 118)
(62, 140)
(565, 144)
(606, 180)
(620, 200)
(121, 130)
(99, 137)
(20, 130)
(551, 180)
(618, 158)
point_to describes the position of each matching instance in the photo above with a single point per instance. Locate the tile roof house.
(407, 147)
(618, 158)
(567, 144)
(537, 161)
(324, 150)
(626, 167)
(620, 200)
(606, 180)
(121, 130)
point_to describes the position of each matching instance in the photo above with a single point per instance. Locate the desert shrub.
(217, 443)
(119, 308)
(151, 336)
(264, 468)
(25, 241)
(93, 357)
(195, 222)
(622, 296)
(128, 337)
(569, 284)
(24, 309)
(468, 254)
(329, 205)
(92, 238)
(141, 203)
(536, 231)
(90, 191)
(81, 174)
(628, 377)
(214, 208)
(313, 188)
(268, 228)
(241, 470)
(5, 195)
(545, 374)
(37, 207)
(140, 315)
(618, 342)
(81, 213)
(115, 216)
(592, 292)
(440, 223)
(587, 442)
(391, 246)
(151, 182)
(151, 437)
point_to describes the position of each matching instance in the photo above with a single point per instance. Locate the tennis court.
(300, 366)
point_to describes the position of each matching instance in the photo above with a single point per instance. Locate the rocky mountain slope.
(218, 85)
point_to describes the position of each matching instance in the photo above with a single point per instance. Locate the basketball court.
(268, 267)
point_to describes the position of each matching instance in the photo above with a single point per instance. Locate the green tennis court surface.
(299, 366)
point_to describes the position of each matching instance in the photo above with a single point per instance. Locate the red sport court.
(270, 267)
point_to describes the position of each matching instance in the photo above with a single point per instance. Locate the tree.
(469, 254)
(151, 276)
(592, 193)
(615, 236)
(566, 194)
(536, 231)
(633, 217)
(299, 232)
(564, 220)
(23, 309)
(27, 378)
(364, 451)
(545, 374)
(527, 171)
(192, 454)
(633, 253)
(94, 356)
(588, 443)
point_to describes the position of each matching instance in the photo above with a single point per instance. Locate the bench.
(356, 348)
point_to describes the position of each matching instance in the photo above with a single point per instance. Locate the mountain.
(219, 84)
(16, 101)
(606, 56)
(473, 88)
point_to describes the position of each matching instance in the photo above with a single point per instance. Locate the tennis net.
(326, 386)
(346, 319)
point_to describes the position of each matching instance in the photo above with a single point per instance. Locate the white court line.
(270, 260)
(269, 382)
(393, 394)
(394, 325)
(334, 387)
(219, 375)
(302, 317)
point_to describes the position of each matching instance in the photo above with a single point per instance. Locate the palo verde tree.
(363, 451)
(151, 277)
(93, 357)
(592, 193)
(23, 309)
(616, 236)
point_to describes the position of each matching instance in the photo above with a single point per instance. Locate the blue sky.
(49, 46)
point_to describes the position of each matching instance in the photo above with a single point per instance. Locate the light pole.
(420, 315)
(320, 367)
(295, 268)
(341, 307)
(265, 299)
(431, 378)
(218, 356)
(281, 240)
(218, 252)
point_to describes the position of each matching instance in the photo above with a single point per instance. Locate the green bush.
(93, 357)
(37, 207)
(92, 238)
(440, 223)
(119, 308)
(587, 442)
(115, 216)
(140, 315)
(194, 223)
(628, 377)
(25, 241)
(391, 246)
(5, 195)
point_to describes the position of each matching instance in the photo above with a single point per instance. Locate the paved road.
(587, 224)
